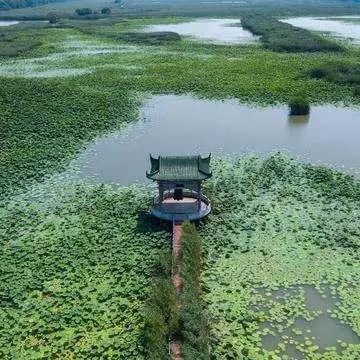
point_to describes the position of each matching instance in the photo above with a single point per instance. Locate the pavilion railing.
(179, 206)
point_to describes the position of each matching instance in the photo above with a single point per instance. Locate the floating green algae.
(280, 230)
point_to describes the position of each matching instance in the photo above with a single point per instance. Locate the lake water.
(214, 30)
(323, 330)
(8, 23)
(337, 27)
(172, 124)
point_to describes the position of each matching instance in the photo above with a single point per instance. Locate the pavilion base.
(181, 210)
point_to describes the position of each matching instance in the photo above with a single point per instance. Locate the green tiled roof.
(179, 168)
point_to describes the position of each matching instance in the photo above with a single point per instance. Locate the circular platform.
(180, 210)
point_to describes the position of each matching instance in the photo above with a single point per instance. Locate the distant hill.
(16, 4)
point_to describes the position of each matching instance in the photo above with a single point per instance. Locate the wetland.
(82, 108)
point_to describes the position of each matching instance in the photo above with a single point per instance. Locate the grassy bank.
(279, 36)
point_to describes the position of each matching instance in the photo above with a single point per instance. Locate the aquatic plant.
(277, 224)
(75, 274)
(77, 264)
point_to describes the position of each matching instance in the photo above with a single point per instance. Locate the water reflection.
(184, 125)
(215, 30)
(296, 120)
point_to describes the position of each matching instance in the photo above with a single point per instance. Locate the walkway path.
(177, 233)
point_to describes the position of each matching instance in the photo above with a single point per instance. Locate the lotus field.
(272, 273)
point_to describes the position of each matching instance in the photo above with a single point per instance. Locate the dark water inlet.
(184, 125)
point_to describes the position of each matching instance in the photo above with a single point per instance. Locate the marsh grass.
(194, 319)
(161, 312)
(279, 36)
(161, 319)
(347, 74)
(149, 38)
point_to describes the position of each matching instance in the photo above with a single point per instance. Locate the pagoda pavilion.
(179, 181)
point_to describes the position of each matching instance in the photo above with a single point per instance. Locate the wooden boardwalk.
(176, 249)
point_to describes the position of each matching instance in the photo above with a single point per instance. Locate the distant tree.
(106, 11)
(83, 11)
(299, 106)
(357, 90)
(53, 17)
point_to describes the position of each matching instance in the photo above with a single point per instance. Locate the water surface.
(172, 124)
(322, 331)
(8, 23)
(335, 26)
(215, 30)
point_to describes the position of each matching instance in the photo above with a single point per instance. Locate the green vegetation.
(76, 270)
(50, 124)
(40, 138)
(163, 322)
(340, 73)
(150, 38)
(18, 39)
(106, 11)
(194, 322)
(53, 17)
(277, 224)
(161, 312)
(8, 4)
(79, 264)
(83, 11)
(279, 36)
(193, 8)
(299, 106)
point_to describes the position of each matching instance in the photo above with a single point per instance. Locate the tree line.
(15, 4)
